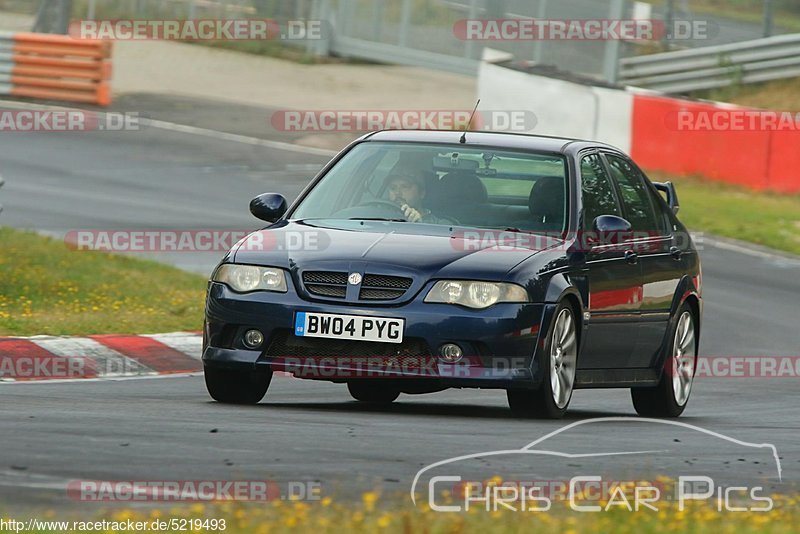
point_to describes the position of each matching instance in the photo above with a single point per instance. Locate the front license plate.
(353, 327)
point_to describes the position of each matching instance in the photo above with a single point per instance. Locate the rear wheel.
(550, 401)
(670, 396)
(372, 392)
(237, 387)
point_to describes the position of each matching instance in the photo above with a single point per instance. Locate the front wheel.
(231, 386)
(670, 396)
(550, 401)
(373, 393)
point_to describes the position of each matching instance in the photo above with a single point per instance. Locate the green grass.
(46, 288)
(769, 219)
(785, 12)
(779, 95)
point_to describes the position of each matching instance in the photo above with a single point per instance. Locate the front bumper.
(500, 344)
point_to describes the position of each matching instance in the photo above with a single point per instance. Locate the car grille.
(411, 353)
(326, 284)
(373, 286)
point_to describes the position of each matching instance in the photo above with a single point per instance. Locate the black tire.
(372, 392)
(660, 400)
(237, 387)
(540, 403)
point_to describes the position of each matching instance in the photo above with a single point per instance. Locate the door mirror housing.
(668, 188)
(268, 206)
(610, 229)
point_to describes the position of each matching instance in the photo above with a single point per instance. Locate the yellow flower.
(369, 499)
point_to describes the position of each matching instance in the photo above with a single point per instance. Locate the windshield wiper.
(382, 219)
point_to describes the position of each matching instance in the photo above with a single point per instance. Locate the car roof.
(538, 143)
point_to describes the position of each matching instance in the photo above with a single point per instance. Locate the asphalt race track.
(168, 428)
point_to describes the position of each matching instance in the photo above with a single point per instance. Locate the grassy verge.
(46, 288)
(781, 95)
(786, 16)
(373, 516)
(770, 219)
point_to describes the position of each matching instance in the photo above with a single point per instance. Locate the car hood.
(425, 251)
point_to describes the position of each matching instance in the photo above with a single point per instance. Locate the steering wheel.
(370, 208)
(383, 204)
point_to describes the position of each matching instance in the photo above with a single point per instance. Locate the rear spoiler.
(672, 196)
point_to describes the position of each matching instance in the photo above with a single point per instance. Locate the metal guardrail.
(712, 67)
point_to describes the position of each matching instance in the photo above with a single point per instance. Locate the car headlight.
(246, 278)
(475, 294)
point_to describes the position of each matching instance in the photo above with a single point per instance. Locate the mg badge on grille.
(354, 278)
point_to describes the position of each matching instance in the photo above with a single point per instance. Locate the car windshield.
(443, 185)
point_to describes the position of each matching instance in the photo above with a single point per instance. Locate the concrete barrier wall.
(561, 108)
(659, 132)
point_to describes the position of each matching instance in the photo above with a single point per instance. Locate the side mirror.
(668, 188)
(610, 227)
(268, 206)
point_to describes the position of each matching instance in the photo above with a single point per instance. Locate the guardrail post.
(344, 17)
(768, 18)
(378, 13)
(90, 10)
(613, 46)
(469, 44)
(405, 22)
(538, 46)
(321, 11)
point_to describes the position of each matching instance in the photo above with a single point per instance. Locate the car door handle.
(675, 252)
(631, 257)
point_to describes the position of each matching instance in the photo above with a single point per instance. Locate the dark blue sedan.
(422, 260)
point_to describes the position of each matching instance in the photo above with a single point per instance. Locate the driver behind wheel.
(407, 190)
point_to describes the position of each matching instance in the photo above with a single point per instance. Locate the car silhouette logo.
(354, 279)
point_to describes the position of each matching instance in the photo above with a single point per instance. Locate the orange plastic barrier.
(56, 67)
(682, 137)
(784, 162)
(666, 137)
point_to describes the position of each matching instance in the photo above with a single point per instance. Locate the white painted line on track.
(192, 130)
(744, 248)
(236, 138)
(185, 342)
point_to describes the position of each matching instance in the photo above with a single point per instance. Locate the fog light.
(253, 339)
(450, 352)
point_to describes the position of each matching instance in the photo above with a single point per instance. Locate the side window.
(635, 196)
(598, 193)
